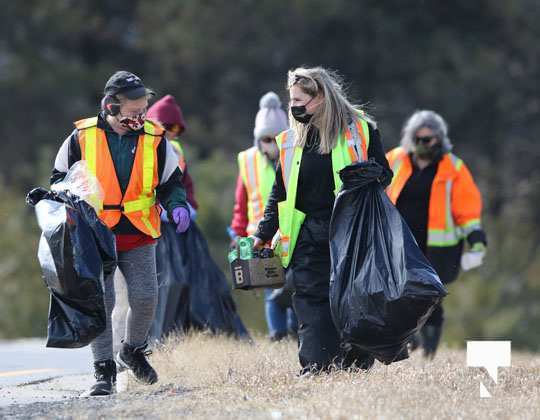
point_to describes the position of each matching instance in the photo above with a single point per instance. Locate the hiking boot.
(105, 374)
(134, 359)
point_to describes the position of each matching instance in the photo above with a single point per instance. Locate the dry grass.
(224, 378)
(207, 377)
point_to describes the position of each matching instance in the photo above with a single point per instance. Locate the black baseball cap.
(128, 84)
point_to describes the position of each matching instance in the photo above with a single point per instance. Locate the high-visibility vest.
(180, 152)
(351, 147)
(138, 203)
(455, 204)
(258, 175)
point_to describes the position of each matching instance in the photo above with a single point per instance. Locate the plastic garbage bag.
(382, 288)
(76, 252)
(193, 291)
(81, 182)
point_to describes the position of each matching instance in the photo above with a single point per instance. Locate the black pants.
(308, 275)
(446, 262)
(436, 319)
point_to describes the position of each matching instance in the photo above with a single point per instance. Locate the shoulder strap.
(360, 137)
(286, 139)
(152, 128)
(457, 162)
(86, 123)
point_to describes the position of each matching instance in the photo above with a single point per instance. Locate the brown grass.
(226, 379)
(203, 377)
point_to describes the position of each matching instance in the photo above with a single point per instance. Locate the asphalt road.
(27, 366)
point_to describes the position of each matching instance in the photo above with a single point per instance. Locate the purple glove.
(181, 217)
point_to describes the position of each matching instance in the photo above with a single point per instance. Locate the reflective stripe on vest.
(258, 175)
(442, 230)
(351, 147)
(180, 153)
(357, 142)
(138, 203)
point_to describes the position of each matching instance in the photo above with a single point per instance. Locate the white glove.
(472, 259)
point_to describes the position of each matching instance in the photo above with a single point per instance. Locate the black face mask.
(300, 113)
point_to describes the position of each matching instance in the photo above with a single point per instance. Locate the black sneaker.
(105, 373)
(134, 359)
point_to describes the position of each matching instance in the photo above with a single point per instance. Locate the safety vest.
(180, 152)
(455, 204)
(138, 203)
(258, 175)
(351, 147)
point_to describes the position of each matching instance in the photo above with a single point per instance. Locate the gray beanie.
(271, 119)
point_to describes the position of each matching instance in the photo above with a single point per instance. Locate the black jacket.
(315, 194)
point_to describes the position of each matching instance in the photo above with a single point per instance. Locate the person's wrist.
(478, 247)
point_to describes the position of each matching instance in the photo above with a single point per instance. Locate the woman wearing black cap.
(138, 171)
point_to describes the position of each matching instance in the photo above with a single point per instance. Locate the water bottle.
(245, 245)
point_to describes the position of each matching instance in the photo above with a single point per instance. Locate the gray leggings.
(139, 269)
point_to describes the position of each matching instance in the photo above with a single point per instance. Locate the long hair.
(335, 112)
(428, 119)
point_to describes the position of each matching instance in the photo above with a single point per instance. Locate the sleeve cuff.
(477, 237)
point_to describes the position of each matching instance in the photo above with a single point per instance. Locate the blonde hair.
(333, 115)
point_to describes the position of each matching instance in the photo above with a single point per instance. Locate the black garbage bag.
(382, 288)
(76, 252)
(193, 291)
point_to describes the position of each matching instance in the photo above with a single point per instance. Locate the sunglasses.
(294, 78)
(424, 139)
(267, 139)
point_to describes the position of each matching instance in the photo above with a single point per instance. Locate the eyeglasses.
(424, 139)
(267, 139)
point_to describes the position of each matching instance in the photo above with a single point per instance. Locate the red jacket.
(240, 212)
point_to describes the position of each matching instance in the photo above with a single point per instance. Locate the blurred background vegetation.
(476, 63)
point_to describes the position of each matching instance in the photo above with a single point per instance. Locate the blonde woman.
(327, 133)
